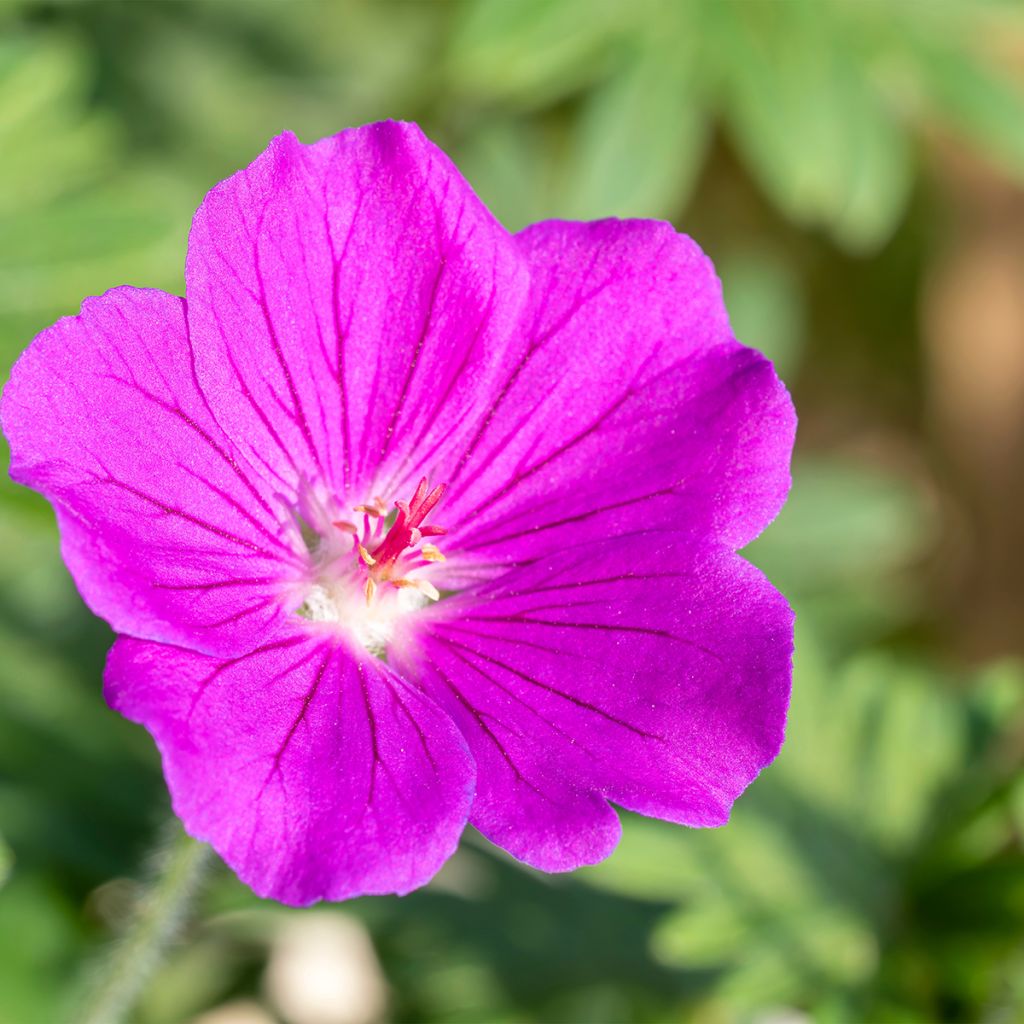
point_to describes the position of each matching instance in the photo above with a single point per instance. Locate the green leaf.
(128, 231)
(969, 93)
(843, 523)
(70, 226)
(795, 896)
(50, 140)
(511, 168)
(42, 934)
(767, 308)
(641, 135)
(807, 119)
(956, 63)
(810, 946)
(874, 744)
(532, 51)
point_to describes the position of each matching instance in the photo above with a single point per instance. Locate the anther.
(425, 587)
(377, 508)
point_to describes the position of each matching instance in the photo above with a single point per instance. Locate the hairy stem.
(178, 866)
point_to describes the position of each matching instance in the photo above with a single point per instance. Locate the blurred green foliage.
(876, 872)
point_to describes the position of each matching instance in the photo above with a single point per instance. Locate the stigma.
(369, 575)
(390, 558)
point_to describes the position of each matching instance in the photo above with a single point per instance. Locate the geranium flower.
(404, 521)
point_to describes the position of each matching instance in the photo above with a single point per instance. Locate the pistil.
(388, 557)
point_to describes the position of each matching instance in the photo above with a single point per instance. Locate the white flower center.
(365, 578)
(372, 624)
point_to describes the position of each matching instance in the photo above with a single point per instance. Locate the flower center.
(399, 552)
(368, 587)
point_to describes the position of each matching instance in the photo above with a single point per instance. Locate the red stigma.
(408, 528)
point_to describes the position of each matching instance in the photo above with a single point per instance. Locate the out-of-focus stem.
(179, 865)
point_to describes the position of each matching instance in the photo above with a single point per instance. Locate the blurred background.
(856, 171)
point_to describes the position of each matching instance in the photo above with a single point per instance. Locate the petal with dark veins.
(169, 533)
(349, 302)
(314, 774)
(626, 402)
(640, 670)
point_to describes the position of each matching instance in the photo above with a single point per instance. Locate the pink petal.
(643, 671)
(314, 774)
(627, 404)
(169, 534)
(349, 301)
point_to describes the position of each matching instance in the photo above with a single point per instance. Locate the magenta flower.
(553, 621)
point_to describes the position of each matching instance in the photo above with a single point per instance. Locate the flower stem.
(179, 864)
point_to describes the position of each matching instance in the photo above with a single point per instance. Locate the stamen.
(387, 547)
(425, 587)
(432, 553)
(353, 553)
(408, 529)
(377, 508)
